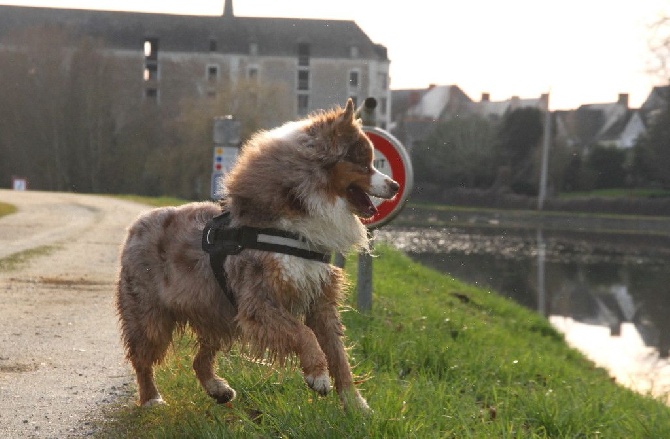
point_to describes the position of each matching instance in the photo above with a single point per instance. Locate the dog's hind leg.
(324, 320)
(146, 334)
(145, 349)
(203, 365)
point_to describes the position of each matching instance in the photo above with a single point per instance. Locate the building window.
(303, 54)
(383, 81)
(252, 73)
(151, 93)
(151, 72)
(303, 79)
(354, 79)
(353, 52)
(212, 45)
(212, 72)
(383, 106)
(303, 104)
(151, 48)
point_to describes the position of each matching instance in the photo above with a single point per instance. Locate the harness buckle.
(216, 238)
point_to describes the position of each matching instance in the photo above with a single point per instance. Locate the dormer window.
(353, 52)
(212, 45)
(303, 54)
(253, 49)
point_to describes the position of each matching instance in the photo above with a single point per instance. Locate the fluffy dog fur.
(309, 177)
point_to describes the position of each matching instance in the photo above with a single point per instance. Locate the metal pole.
(364, 285)
(541, 282)
(544, 169)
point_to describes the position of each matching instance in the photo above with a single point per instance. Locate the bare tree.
(188, 158)
(34, 84)
(659, 44)
(59, 125)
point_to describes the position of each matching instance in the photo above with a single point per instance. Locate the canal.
(609, 293)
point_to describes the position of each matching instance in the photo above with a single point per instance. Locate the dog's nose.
(393, 186)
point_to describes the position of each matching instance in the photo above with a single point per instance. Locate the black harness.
(220, 240)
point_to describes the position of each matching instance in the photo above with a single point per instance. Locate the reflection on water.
(609, 295)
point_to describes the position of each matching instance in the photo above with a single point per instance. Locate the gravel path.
(61, 360)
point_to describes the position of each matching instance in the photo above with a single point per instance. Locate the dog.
(312, 177)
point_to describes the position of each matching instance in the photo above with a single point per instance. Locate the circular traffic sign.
(392, 159)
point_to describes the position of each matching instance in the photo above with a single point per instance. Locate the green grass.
(435, 358)
(16, 260)
(153, 201)
(6, 209)
(618, 193)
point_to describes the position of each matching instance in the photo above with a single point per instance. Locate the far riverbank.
(424, 215)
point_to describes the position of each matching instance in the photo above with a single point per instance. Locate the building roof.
(593, 123)
(437, 101)
(191, 33)
(658, 99)
(500, 108)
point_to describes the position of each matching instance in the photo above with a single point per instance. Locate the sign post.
(226, 147)
(390, 158)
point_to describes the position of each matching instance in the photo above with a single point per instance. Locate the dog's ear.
(345, 120)
(348, 114)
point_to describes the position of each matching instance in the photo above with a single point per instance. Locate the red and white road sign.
(392, 159)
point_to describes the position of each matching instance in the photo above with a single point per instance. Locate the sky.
(578, 51)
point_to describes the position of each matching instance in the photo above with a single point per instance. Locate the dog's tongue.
(360, 200)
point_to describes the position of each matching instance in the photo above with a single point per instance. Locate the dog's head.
(301, 168)
(348, 160)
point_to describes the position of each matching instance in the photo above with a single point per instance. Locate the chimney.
(544, 101)
(623, 99)
(486, 97)
(228, 9)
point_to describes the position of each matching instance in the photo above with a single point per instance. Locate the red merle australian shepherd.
(312, 179)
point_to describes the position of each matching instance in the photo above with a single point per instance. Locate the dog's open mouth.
(360, 201)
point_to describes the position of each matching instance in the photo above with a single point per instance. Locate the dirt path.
(60, 355)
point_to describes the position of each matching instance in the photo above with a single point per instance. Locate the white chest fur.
(307, 276)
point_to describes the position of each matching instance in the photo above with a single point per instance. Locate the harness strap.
(220, 240)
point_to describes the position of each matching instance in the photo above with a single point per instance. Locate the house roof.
(581, 125)
(658, 98)
(614, 131)
(190, 33)
(404, 99)
(437, 100)
(499, 108)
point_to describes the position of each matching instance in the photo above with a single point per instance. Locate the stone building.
(320, 63)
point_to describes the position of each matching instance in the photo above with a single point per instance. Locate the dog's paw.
(320, 383)
(220, 390)
(154, 402)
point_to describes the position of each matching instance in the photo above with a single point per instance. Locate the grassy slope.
(435, 358)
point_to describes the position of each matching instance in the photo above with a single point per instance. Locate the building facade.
(319, 63)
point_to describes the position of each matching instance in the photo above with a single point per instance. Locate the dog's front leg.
(324, 320)
(265, 325)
